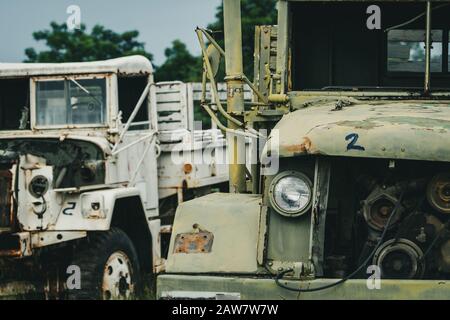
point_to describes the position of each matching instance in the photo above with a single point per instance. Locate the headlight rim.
(31, 190)
(276, 180)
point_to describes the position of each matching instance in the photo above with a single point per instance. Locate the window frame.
(33, 100)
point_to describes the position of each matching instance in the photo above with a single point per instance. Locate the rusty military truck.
(88, 180)
(355, 95)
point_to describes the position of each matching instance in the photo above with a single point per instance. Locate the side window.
(14, 104)
(406, 51)
(130, 90)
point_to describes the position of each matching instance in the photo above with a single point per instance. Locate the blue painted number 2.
(353, 139)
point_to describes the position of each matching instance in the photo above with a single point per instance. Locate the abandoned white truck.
(87, 175)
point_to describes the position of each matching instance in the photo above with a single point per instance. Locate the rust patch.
(11, 253)
(304, 147)
(199, 242)
(13, 246)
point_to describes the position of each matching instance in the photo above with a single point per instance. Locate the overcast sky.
(158, 21)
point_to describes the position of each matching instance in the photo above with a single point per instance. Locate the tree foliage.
(180, 65)
(79, 45)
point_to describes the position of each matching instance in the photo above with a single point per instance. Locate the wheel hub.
(117, 277)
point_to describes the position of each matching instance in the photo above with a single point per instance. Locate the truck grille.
(6, 212)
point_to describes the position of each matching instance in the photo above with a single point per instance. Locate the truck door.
(140, 156)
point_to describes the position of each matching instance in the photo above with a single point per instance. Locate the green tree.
(79, 45)
(180, 65)
(253, 12)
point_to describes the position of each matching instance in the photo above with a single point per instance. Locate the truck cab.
(355, 96)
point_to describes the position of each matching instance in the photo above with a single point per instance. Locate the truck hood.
(415, 130)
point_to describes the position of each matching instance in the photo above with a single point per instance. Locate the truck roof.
(132, 65)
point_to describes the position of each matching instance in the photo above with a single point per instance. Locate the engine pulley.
(377, 209)
(438, 192)
(399, 259)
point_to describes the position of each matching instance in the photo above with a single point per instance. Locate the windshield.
(71, 102)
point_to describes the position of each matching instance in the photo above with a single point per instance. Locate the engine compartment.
(31, 169)
(75, 163)
(397, 212)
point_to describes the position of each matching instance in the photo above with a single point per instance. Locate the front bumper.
(22, 244)
(207, 287)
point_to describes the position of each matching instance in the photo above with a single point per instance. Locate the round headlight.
(38, 186)
(291, 193)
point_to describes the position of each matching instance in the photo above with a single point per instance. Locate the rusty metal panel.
(200, 242)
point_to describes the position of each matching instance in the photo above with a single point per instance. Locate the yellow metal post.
(235, 91)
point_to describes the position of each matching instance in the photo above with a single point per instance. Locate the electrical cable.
(44, 208)
(413, 19)
(281, 274)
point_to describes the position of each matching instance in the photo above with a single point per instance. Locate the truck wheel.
(109, 268)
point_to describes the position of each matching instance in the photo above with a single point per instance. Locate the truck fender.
(101, 210)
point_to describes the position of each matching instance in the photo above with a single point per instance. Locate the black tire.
(92, 258)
